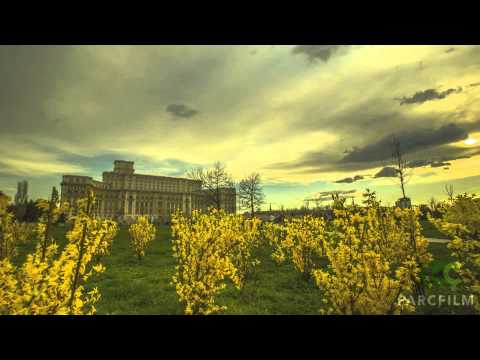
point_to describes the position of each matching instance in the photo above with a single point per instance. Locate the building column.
(122, 209)
(102, 208)
(134, 205)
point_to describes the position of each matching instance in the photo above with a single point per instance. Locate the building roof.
(154, 176)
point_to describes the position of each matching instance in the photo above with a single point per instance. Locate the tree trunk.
(252, 205)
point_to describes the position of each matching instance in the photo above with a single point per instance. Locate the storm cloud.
(386, 172)
(318, 52)
(418, 163)
(427, 95)
(181, 110)
(435, 164)
(74, 109)
(409, 141)
(350, 180)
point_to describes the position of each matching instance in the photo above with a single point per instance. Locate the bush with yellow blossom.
(375, 259)
(105, 244)
(302, 242)
(48, 284)
(274, 234)
(141, 234)
(242, 238)
(12, 232)
(210, 248)
(460, 221)
(363, 282)
(8, 241)
(50, 213)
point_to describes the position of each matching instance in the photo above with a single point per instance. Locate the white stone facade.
(124, 195)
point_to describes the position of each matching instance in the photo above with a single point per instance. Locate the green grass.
(440, 252)
(430, 231)
(129, 286)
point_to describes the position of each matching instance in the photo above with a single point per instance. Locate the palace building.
(124, 195)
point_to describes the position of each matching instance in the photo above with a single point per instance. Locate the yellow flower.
(141, 234)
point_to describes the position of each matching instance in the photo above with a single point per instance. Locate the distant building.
(21, 197)
(124, 195)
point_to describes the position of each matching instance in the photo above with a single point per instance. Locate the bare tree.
(400, 164)
(449, 191)
(213, 181)
(251, 193)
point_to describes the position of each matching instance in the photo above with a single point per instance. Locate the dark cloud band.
(410, 142)
(387, 172)
(350, 180)
(318, 52)
(427, 95)
(181, 110)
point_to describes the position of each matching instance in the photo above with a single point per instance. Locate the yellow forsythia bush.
(273, 234)
(50, 213)
(141, 234)
(242, 238)
(48, 284)
(8, 240)
(303, 240)
(12, 233)
(209, 248)
(460, 221)
(23, 232)
(104, 247)
(375, 257)
(362, 282)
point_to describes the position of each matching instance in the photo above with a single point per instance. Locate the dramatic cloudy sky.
(308, 118)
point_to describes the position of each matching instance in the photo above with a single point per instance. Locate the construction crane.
(321, 200)
(317, 201)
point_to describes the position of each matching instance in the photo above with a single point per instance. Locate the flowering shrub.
(141, 234)
(360, 281)
(50, 284)
(50, 213)
(460, 221)
(242, 238)
(23, 232)
(104, 247)
(8, 241)
(375, 259)
(274, 233)
(12, 233)
(393, 233)
(303, 240)
(209, 248)
(460, 217)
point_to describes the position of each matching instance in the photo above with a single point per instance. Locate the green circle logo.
(446, 275)
(438, 273)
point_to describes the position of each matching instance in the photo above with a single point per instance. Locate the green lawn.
(430, 231)
(132, 287)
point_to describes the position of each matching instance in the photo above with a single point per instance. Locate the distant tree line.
(29, 212)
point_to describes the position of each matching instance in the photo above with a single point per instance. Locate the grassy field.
(430, 231)
(132, 287)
